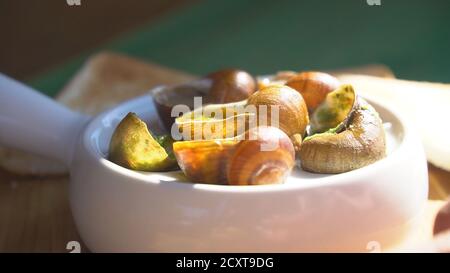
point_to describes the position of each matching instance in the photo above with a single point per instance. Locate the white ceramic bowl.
(117, 209)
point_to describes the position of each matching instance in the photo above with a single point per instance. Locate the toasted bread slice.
(375, 70)
(109, 78)
(105, 80)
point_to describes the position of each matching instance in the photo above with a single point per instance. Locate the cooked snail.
(252, 164)
(355, 143)
(166, 97)
(203, 161)
(334, 109)
(133, 147)
(224, 86)
(230, 85)
(277, 105)
(215, 121)
(313, 86)
(280, 78)
(292, 111)
(263, 155)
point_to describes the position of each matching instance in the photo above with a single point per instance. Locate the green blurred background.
(411, 37)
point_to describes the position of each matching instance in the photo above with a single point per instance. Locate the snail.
(292, 110)
(230, 85)
(166, 97)
(281, 77)
(357, 141)
(257, 110)
(314, 86)
(132, 146)
(262, 155)
(334, 109)
(224, 86)
(250, 164)
(213, 121)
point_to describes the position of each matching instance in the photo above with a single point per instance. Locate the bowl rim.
(329, 180)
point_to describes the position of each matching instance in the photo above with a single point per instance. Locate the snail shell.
(361, 143)
(293, 113)
(263, 155)
(314, 86)
(203, 161)
(250, 164)
(230, 85)
(336, 107)
(223, 86)
(215, 121)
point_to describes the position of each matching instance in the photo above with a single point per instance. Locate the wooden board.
(35, 214)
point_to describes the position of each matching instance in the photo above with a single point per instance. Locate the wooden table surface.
(35, 215)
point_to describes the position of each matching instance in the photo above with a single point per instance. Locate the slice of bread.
(376, 70)
(426, 106)
(105, 80)
(108, 78)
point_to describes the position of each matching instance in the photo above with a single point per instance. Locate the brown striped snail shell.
(263, 155)
(292, 109)
(251, 164)
(314, 86)
(230, 85)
